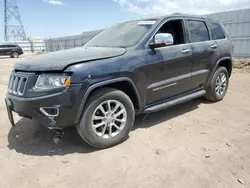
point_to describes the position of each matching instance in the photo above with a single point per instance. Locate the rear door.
(218, 37)
(205, 52)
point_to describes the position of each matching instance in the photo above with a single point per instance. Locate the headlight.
(45, 82)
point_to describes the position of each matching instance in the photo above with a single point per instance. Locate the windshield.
(124, 34)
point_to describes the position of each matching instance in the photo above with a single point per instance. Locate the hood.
(57, 61)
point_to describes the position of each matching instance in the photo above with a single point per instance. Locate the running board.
(175, 101)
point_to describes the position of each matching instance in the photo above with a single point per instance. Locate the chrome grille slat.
(12, 88)
(22, 86)
(17, 84)
(10, 84)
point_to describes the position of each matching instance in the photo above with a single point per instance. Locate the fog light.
(50, 111)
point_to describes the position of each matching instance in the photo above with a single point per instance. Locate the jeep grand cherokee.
(133, 67)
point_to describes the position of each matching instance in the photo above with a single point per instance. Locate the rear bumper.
(64, 102)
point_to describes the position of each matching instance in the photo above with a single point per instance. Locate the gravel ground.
(196, 144)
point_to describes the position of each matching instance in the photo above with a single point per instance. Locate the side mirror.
(161, 40)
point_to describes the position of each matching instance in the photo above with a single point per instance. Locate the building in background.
(34, 38)
(237, 25)
(32, 44)
(62, 43)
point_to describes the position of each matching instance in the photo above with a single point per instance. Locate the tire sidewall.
(85, 127)
(15, 54)
(213, 83)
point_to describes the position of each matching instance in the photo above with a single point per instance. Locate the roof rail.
(191, 15)
(176, 13)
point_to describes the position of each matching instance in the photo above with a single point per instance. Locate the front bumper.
(65, 102)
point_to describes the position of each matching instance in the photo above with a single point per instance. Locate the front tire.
(107, 118)
(218, 85)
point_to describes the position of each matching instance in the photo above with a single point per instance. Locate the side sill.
(175, 101)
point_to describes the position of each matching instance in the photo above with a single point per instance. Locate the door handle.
(185, 51)
(214, 46)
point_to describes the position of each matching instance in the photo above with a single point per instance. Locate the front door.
(168, 68)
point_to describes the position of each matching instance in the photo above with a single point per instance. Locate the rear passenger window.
(198, 31)
(216, 31)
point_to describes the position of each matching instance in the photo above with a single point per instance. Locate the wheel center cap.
(109, 119)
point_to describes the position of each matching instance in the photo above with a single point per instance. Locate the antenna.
(13, 26)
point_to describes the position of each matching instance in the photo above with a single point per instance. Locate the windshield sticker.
(146, 22)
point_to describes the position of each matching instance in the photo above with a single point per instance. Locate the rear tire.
(101, 126)
(14, 55)
(218, 85)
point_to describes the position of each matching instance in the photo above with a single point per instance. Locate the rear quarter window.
(216, 31)
(198, 31)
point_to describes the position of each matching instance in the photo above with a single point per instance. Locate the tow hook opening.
(50, 111)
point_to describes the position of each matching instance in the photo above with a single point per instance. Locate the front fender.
(101, 84)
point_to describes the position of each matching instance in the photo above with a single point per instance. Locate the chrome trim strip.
(163, 87)
(177, 78)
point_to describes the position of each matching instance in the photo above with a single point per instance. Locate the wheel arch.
(14, 51)
(225, 62)
(124, 84)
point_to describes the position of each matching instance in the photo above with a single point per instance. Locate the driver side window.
(172, 28)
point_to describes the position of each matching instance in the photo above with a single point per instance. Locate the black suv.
(134, 67)
(11, 50)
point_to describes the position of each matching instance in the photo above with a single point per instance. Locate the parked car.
(133, 67)
(12, 50)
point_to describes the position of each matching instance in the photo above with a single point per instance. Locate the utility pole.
(13, 26)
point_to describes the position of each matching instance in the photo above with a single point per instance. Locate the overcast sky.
(55, 18)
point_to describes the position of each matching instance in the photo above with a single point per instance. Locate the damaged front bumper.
(55, 111)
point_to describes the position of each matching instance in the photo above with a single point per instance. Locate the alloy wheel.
(109, 119)
(221, 84)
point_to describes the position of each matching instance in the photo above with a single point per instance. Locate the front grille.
(17, 84)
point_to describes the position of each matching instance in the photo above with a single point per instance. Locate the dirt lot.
(197, 144)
